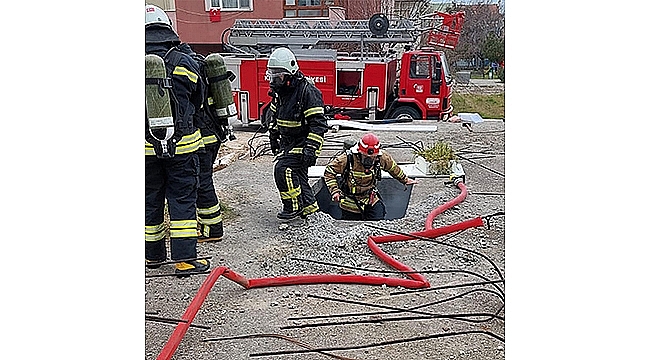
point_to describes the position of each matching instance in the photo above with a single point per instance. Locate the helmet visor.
(275, 74)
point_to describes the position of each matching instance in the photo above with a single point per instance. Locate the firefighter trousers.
(176, 180)
(292, 181)
(374, 212)
(207, 203)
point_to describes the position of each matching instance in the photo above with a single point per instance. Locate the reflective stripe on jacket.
(187, 89)
(189, 143)
(298, 118)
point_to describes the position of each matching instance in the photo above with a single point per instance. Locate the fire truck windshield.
(445, 69)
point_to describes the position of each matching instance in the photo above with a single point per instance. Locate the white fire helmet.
(155, 15)
(283, 58)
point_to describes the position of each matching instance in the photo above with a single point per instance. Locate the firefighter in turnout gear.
(296, 129)
(171, 160)
(213, 134)
(360, 169)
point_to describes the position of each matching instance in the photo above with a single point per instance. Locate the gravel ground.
(257, 245)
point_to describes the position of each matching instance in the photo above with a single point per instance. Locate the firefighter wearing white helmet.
(296, 128)
(171, 145)
(154, 14)
(360, 168)
(282, 64)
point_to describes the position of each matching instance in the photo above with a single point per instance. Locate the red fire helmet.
(369, 144)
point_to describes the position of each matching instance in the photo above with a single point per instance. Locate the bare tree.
(413, 9)
(364, 9)
(484, 24)
(406, 9)
(393, 9)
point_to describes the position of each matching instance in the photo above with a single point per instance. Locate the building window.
(309, 13)
(308, 8)
(229, 5)
(166, 5)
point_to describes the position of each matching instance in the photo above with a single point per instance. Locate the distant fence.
(479, 87)
(462, 77)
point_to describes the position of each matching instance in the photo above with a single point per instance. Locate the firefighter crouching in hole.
(296, 130)
(360, 169)
(171, 145)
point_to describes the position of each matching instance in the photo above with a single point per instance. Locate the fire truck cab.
(425, 87)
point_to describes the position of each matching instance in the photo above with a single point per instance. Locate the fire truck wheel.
(405, 112)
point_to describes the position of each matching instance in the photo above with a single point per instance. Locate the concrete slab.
(383, 127)
(409, 169)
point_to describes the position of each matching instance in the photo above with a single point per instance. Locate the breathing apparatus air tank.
(220, 90)
(158, 101)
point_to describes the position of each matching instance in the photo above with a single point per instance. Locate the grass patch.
(489, 106)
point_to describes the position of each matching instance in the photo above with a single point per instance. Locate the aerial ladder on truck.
(364, 85)
(262, 35)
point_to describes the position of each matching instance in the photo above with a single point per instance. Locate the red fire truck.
(357, 86)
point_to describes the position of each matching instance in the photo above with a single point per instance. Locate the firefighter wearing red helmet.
(296, 129)
(360, 169)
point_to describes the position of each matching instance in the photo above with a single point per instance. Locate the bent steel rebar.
(383, 343)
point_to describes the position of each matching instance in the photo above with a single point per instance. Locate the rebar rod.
(383, 343)
(481, 166)
(314, 317)
(277, 336)
(459, 317)
(173, 321)
(447, 287)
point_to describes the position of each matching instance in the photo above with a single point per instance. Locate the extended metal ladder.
(247, 32)
(442, 30)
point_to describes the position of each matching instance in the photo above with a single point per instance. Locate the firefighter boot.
(186, 268)
(289, 215)
(155, 253)
(211, 233)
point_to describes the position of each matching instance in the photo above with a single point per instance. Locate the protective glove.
(308, 157)
(275, 146)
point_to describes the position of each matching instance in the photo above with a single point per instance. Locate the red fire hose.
(416, 281)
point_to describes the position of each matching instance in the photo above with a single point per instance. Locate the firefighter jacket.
(211, 127)
(187, 96)
(297, 124)
(357, 183)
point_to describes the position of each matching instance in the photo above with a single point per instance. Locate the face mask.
(275, 77)
(367, 161)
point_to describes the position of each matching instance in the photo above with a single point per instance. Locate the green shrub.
(439, 155)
